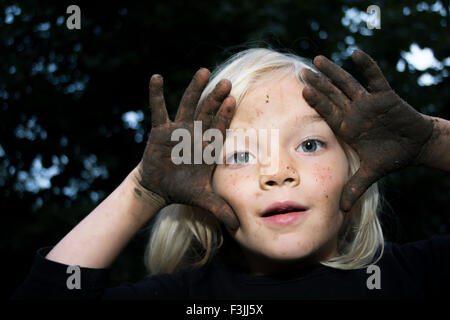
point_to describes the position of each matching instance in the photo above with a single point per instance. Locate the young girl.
(233, 230)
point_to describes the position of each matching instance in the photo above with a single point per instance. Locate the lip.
(283, 205)
(285, 218)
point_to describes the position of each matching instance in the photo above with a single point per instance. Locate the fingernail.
(303, 75)
(221, 82)
(346, 207)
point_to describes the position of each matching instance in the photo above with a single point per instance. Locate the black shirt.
(416, 270)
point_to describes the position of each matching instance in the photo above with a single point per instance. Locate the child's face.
(311, 174)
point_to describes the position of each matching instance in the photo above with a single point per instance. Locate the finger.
(324, 107)
(210, 105)
(221, 209)
(191, 95)
(157, 104)
(355, 187)
(326, 87)
(371, 71)
(341, 78)
(224, 116)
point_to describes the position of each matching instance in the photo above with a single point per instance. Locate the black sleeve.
(47, 280)
(428, 260)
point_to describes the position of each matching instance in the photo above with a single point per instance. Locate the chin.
(288, 249)
(289, 255)
(300, 249)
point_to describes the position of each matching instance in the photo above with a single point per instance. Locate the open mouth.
(278, 212)
(283, 214)
(280, 208)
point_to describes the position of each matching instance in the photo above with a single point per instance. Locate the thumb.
(355, 187)
(221, 209)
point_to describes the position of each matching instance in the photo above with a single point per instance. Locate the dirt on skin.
(387, 133)
(186, 183)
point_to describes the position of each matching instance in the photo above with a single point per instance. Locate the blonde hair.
(184, 236)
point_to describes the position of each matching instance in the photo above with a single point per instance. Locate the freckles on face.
(233, 185)
(313, 179)
(330, 178)
(234, 180)
(324, 177)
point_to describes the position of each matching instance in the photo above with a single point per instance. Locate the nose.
(285, 176)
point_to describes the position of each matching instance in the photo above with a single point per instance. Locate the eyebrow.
(310, 118)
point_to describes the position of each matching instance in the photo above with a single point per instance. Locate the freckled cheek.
(235, 188)
(237, 182)
(327, 182)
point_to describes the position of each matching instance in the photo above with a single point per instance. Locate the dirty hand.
(386, 132)
(188, 184)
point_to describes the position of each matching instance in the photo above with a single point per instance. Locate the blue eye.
(239, 158)
(310, 146)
